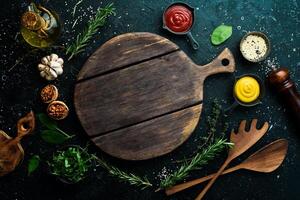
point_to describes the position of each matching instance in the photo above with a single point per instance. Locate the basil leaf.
(221, 34)
(53, 137)
(33, 164)
(47, 122)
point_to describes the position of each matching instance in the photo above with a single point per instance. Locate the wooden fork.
(242, 140)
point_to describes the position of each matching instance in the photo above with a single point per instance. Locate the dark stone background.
(19, 92)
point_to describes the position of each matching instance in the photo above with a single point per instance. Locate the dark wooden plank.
(152, 138)
(137, 93)
(147, 99)
(124, 50)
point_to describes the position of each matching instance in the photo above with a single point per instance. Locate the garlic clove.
(60, 61)
(44, 61)
(54, 64)
(53, 57)
(59, 70)
(41, 67)
(43, 74)
(53, 73)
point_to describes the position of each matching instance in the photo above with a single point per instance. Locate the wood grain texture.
(138, 93)
(242, 140)
(146, 140)
(145, 78)
(124, 50)
(266, 160)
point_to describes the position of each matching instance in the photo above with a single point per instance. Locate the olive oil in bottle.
(40, 27)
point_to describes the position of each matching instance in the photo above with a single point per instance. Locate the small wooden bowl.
(268, 43)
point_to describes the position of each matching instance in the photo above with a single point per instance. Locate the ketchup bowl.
(179, 19)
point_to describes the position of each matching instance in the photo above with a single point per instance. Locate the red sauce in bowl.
(178, 18)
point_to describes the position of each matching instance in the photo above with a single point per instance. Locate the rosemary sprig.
(196, 162)
(130, 178)
(93, 26)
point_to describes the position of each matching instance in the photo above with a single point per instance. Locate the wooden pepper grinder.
(280, 80)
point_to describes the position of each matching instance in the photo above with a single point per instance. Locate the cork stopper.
(31, 20)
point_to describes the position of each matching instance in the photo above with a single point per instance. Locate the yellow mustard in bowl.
(247, 89)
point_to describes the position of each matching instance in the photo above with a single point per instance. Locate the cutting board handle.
(223, 63)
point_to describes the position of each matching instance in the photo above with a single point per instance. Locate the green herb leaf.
(53, 136)
(221, 34)
(71, 164)
(47, 122)
(123, 176)
(83, 39)
(33, 164)
(200, 159)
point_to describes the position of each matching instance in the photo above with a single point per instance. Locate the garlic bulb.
(51, 67)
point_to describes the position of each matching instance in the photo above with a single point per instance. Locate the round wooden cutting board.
(139, 96)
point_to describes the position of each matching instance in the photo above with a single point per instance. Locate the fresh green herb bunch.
(210, 148)
(93, 26)
(123, 176)
(199, 160)
(70, 165)
(215, 119)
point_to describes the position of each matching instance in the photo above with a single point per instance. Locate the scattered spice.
(200, 159)
(49, 93)
(210, 148)
(57, 110)
(75, 7)
(93, 26)
(254, 47)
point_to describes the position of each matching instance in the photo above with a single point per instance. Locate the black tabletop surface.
(20, 85)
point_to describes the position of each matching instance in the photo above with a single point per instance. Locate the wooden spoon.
(266, 159)
(243, 140)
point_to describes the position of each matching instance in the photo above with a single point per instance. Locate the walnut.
(49, 93)
(57, 110)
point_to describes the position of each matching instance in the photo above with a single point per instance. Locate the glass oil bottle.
(40, 27)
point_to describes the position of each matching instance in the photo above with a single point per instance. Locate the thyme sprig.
(213, 120)
(92, 28)
(200, 159)
(207, 151)
(123, 176)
